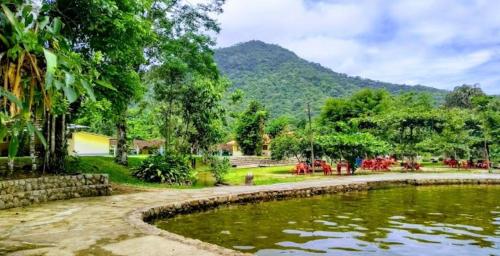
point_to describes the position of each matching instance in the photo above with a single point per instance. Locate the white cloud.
(441, 43)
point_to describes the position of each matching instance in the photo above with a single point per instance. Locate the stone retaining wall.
(17, 193)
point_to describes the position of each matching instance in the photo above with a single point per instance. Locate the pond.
(439, 220)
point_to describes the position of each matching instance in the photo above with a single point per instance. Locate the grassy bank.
(123, 181)
(121, 175)
(268, 175)
(101, 164)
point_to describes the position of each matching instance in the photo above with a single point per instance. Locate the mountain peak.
(254, 54)
(283, 81)
(257, 44)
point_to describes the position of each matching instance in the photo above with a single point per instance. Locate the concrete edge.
(140, 218)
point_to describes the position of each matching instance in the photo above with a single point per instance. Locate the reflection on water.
(445, 220)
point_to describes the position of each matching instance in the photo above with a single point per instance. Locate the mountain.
(284, 82)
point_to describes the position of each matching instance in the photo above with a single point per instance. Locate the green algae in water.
(440, 220)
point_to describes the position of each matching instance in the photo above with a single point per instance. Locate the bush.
(219, 168)
(171, 169)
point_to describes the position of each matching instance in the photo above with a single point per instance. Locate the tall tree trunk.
(10, 164)
(487, 155)
(33, 150)
(55, 155)
(49, 142)
(121, 141)
(61, 151)
(52, 135)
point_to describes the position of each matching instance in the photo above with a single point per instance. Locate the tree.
(346, 125)
(369, 102)
(487, 111)
(455, 139)
(219, 168)
(144, 120)
(411, 121)
(462, 96)
(187, 84)
(120, 31)
(97, 115)
(366, 103)
(42, 76)
(278, 125)
(351, 145)
(336, 111)
(287, 145)
(250, 129)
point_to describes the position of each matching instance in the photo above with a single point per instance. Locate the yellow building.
(86, 143)
(233, 149)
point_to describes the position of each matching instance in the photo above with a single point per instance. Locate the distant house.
(233, 149)
(230, 148)
(79, 142)
(87, 143)
(142, 146)
(148, 146)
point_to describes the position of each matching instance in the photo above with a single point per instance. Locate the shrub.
(219, 168)
(171, 169)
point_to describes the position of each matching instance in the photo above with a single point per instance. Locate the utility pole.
(311, 135)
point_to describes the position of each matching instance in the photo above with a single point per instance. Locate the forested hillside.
(284, 82)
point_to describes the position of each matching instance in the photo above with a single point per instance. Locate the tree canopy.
(250, 128)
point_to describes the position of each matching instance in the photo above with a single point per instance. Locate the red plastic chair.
(327, 169)
(302, 168)
(339, 168)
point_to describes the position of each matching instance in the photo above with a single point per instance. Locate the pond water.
(440, 220)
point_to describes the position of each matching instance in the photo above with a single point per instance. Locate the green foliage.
(369, 102)
(371, 123)
(119, 32)
(250, 129)
(278, 125)
(351, 145)
(219, 168)
(171, 169)
(363, 103)
(283, 82)
(287, 145)
(487, 111)
(186, 83)
(455, 139)
(462, 96)
(42, 75)
(336, 110)
(411, 121)
(97, 115)
(144, 120)
(99, 164)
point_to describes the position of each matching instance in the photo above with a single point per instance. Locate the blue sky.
(440, 43)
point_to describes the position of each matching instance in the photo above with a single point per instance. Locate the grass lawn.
(123, 181)
(268, 175)
(121, 175)
(102, 164)
(261, 176)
